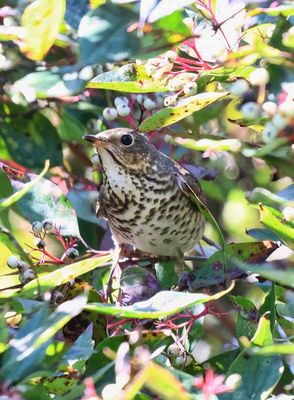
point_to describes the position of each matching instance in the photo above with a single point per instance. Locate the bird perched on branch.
(146, 196)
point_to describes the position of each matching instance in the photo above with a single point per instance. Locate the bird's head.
(124, 147)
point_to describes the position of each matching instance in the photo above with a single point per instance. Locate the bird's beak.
(97, 140)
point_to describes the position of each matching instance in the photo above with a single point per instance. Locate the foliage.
(211, 84)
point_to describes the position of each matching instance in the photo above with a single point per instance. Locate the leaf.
(211, 271)
(161, 305)
(262, 195)
(224, 74)
(103, 35)
(284, 10)
(60, 276)
(283, 348)
(131, 78)
(28, 348)
(159, 380)
(79, 352)
(44, 200)
(233, 145)
(44, 84)
(270, 272)
(4, 336)
(259, 375)
(263, 234)
(41, 21)
(25, 188)
(274, 220)
(184, 107)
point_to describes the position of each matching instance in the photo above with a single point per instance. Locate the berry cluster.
(278, 115)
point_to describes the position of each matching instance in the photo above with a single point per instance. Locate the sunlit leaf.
(61, 276)
(161, 305)
(183, 108)
(130, 78)
(284, 10)
(41, 21)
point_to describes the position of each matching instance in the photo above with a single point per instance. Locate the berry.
(123, 110)
(270, 108)
(288, 213)
(170, 56)
(174, 85)
(121, 100)
(71, 252)
(40, 243)
(95, 159)
(149, 104)
(47, 225)
(27, 276)
(259, 77)
(183, 361)
(37, 227)
(174, 350)
(190, 88)
(140, 99)
(250, 110)
(170, 101)
(269, 133)
(13, 261)
(109, 113)
(239, 87)
(23, 266)
(279, 122)
(249, 95)
(287, 108)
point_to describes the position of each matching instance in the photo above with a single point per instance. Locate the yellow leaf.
(41, 21)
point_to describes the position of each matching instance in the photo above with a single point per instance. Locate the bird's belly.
(161, 228)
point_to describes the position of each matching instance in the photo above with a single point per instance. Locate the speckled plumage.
(141, 196)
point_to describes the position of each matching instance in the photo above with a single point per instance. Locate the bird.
(146, 196)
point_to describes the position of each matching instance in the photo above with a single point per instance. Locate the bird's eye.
(126, 140)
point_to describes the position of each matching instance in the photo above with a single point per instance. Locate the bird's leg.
(180, 263)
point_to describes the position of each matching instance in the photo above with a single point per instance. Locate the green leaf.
(283, 348)
(263, 234)
(264, 196)
(61, 276)
(45, 200)
(211, 271)
(270, 272)
(44, 84)
(104, 37)
(274, 220)
(224, 74)
(183, 108)
(284, 10)
(131, 78)
(161, 305)
(4, 337)
(259, 375)
(41, 21)
(233, 145)
(25, 188)
(28, 347)
(80, 351)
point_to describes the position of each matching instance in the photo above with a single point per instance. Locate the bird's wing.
(100, 208)
(189, 185)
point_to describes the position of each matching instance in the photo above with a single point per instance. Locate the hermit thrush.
(146, 196)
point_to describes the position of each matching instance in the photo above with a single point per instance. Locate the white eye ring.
(127, 140)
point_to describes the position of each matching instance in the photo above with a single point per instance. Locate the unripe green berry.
(72, 253)
(258, 77)
(37, 227)
(250, 110)
(27, 276)
(123, 110)
(121, 100)
(190, 88)
(239, 87)
(279, 121)
(47, 225)
(269, 133)
(149, 104)
(109, 113)
(13, 261)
